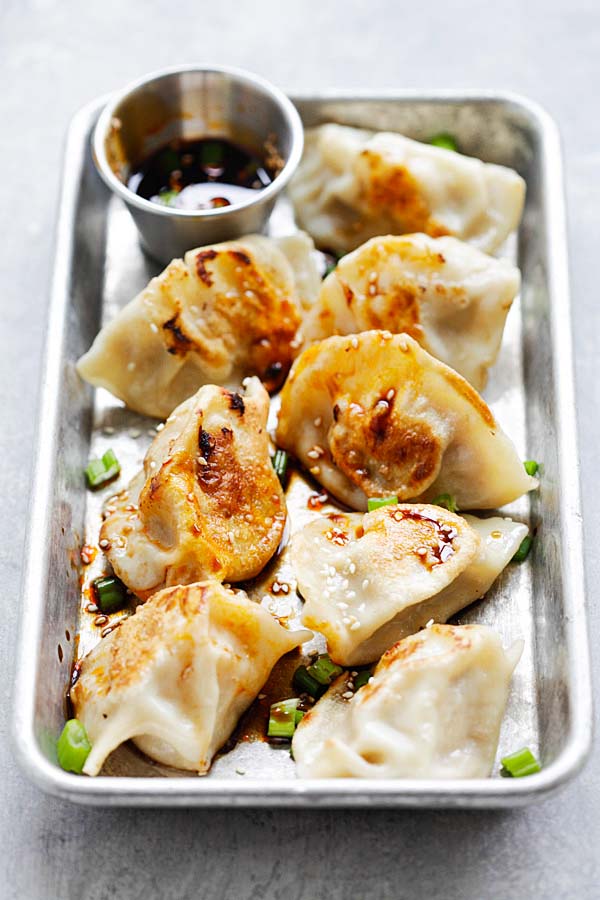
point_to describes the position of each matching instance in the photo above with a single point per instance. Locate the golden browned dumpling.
(370, 580)
(373, 415)
(450, 297)
(432, 709)
(207, 504)
(178, 674)
(225, 312)
(354, 184)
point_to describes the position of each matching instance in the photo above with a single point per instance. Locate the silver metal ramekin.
(193, 102)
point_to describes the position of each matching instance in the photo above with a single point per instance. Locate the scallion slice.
(101, 471)
(167, 198)
(282, 718)
(444, 140)
(531, 466)
(280, 461)
(304, 683)
(111, 594)
(73, 747)
(324, 670)
(523, 551)
(377, 502)
(362, 678)
(448, 501)
(521, 762)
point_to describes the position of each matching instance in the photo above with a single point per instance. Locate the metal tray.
(99, 267)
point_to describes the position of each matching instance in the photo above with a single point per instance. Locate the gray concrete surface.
(54, 56)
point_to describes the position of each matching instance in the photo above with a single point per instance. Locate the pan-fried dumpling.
(178, 674)
(373, 415)
(353, 184)
(370, 580)
(224, 312)
(432, 709)
(444, 293)
(207, 504)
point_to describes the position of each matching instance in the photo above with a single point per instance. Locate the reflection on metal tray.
(99, 267)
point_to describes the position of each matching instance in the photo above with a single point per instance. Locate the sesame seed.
(354, 674)
(261, 696)
(315, 470)
(276, 588)
(372, 290)
(429, 624)
(387, 335)
(346, 620)
(496, 534)
(313, 454)
(318, 421)
(421, 551)
(342, 605)
(152, 464)
(285, 588)
(230, 537)
(154, 327)
(134, 432)
(103, 543)
(365, 583)
(202, 461)
(354, 343)
(373, 276)
(190, 496)
(355, 626)
(249, 295)
(91, 608)
(108, 429)
(390, 394)
(100, 621)
(347, 695)
(352, 568)
(130, 366)
(249, 517)
(160, 426)
(106, 631)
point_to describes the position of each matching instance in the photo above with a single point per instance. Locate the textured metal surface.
(100, 266)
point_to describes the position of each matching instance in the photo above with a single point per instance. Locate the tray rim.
(316, 793)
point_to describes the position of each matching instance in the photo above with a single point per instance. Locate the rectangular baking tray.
(99, 266)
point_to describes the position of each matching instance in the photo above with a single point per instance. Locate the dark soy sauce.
(203, 174)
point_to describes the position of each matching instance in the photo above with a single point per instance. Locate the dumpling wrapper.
(207, 504)
(353, 184)
(374, 415)
(225, 312)
(444, 293)
(432, 709)
(370, 580)
(178, 674)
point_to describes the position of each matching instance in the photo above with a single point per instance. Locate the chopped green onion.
(100, 471)
(167, 198)
(520, 763)
(444, 140)
(324, 670)
(377, 502)
(73, 747)
(282, 718)
(111, 594)
(531, 466)
(280, 461)
(329, 268)
(448, 501)
(362, 678)
(523, 551)
(298, 716)
(304, 683)
(211, 153)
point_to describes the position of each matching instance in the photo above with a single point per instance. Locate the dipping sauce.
(204, 174)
